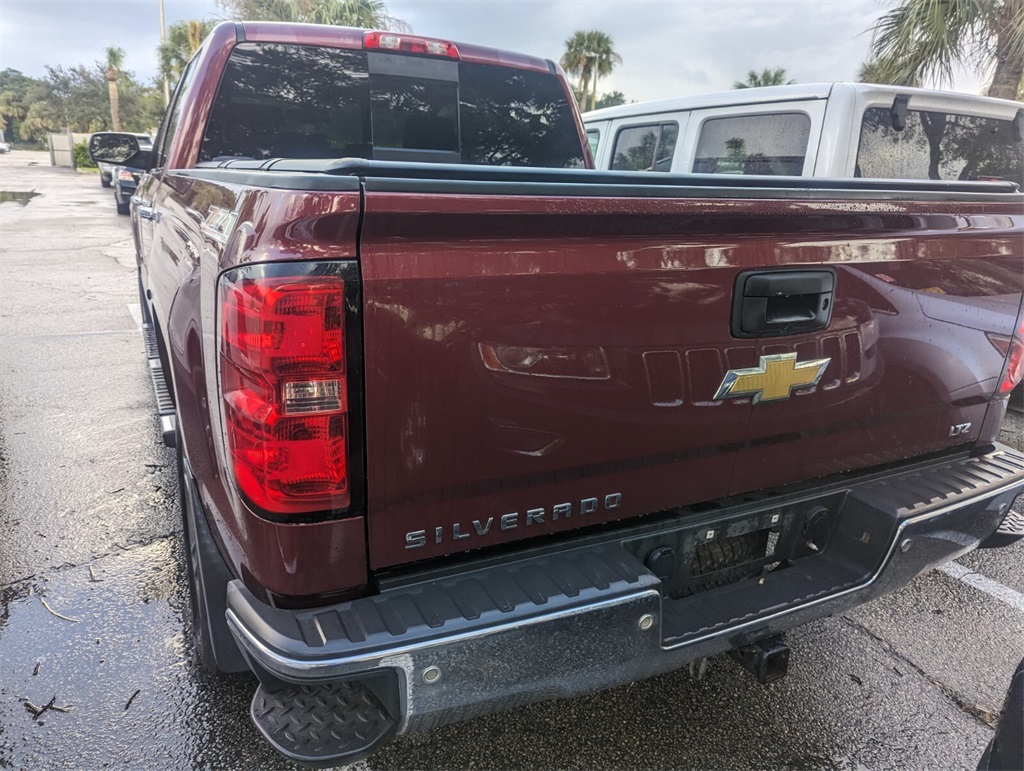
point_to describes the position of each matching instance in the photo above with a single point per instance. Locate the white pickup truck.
(817, 130)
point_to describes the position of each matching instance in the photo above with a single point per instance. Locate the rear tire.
(122, 208)
(208, 578)
(196, 589)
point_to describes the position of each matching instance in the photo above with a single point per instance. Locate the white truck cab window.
(773, 144)
(645, 148)
(938, 145)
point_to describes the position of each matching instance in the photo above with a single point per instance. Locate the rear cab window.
(764, 144)
(293, 101)
(938, 145)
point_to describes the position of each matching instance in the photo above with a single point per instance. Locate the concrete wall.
(60, 150)
(61, 145)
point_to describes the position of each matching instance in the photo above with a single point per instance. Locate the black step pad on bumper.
(324, 725)
(1013, 525)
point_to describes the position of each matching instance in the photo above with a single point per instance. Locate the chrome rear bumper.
(509, 631)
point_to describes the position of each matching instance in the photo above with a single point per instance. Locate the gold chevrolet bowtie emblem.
(774, 379)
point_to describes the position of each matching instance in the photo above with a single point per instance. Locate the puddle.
(19, 197)
(83, 203)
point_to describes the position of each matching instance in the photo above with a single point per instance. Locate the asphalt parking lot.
(93, 603)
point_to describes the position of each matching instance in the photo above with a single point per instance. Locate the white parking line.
(1004, 594)
(136, 311)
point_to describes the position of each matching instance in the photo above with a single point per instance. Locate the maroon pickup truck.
(464, 424)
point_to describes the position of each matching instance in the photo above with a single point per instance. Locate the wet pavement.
(93, 604)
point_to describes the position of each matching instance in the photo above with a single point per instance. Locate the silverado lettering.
(385, 292)
(418, 538)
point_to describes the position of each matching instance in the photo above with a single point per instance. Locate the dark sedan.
(125, 180)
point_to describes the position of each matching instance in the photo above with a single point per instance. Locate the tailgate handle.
(782, 302)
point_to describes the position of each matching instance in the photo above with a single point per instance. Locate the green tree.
(114, 62)
(589, 55)
(611, 99)
(883, 71)
(14, 102)
(78, 98)
(766, 77)
(367, 14)
(927, 39)
(607, 59)
(183, 40)
(577, 63)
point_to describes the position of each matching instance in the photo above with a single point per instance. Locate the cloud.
(34, 34)
(668, 48)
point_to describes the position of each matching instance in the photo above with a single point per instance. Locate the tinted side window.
(516, 118)
(593, 137)
(170, 122)
(290, 101)
(773, 144)
(645, 148)
(936, 145)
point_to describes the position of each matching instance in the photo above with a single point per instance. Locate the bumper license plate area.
(694, 558)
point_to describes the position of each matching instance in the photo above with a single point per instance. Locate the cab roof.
(797, 92)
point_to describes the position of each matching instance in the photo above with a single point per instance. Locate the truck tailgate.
(538, 363)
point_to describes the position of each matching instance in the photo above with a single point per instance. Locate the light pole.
(163, 39)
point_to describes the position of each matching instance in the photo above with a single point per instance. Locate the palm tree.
(926, 39)
(183, 40)
(766, 77)
(606, 59)
(885, 71)
(577, 62)
(368, 14)
(115, 58)
(589, 55)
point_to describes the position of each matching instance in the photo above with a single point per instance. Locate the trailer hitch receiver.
(767, 660)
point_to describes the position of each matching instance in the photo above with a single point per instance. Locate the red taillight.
(1013, 347)
(284, 385)
(407, 44)
(1014, 366)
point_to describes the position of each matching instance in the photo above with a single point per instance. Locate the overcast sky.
(669, 48)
